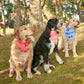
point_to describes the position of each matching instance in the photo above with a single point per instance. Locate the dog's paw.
(38, 73)
(29, 75)
(63, 50)
(19, 78)
(75, 55)
(52, 66)
(62, 62)
(10, 75)
(66, 55)
(49, 71)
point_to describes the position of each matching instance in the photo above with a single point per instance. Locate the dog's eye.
(55, 20)
(25, 28)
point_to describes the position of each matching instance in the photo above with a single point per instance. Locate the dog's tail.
(5, 71)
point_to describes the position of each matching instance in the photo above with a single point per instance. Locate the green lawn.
(72, 72)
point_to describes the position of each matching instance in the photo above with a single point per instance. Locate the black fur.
(41, 48)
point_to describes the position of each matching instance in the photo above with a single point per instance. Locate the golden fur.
(70, 45)
(20, 61)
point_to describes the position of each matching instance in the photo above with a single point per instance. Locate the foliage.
(69, 8)
(11, 25)
(8, 8)
(50, 5)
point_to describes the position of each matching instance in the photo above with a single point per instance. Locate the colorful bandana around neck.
(23, 46)
(54, 37)
(70, 33)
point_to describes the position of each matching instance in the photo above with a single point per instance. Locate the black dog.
(44, 47)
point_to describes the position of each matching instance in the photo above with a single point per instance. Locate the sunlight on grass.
(8, 31)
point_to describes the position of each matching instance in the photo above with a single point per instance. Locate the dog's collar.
(23, 46)
(54, 37)
(70, 33)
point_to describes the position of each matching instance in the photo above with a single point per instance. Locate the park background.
(36, 13)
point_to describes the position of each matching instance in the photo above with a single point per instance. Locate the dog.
(45, 46)
(69, 37)
(21, 52)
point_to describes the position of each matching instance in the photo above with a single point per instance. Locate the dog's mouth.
(77, 26)
(58, 28)
(29, 38)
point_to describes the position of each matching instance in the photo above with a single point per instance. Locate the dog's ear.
(16, 34)
(48, 27)
(68, 22)
(79, 22)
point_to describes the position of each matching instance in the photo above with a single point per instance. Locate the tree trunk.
(36, 20)
(25, 11)
(9, 18)
(57, 8)
(17, 14)
(3, 17)
(78, 9)
(44, 15)
(0, 21)
(63, 15)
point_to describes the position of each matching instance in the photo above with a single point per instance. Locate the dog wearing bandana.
(21, 54)
(69, 39)
(47, 44)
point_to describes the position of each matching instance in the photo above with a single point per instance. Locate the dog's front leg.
(66, 49)
(46, 64)
(12, 68)
(74, 50)
(18, 76)
(29, 74)
(56, 52)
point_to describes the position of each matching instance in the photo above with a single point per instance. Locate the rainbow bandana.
(70, 33)
(54, 37)
(23, 46)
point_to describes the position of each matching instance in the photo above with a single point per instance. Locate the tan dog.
(21, 52)
(70, 45)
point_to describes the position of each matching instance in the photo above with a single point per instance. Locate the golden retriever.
(21, 52)
(70, 41)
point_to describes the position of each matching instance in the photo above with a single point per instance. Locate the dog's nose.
(61, 23)
(78, 23)
(33, 30)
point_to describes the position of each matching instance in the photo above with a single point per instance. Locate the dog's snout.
(78, 23)
(61, 23)
(33, 30)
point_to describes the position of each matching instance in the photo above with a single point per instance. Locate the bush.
(11, 24)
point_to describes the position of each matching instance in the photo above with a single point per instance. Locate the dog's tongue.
(31, 37)
(77, 26)
(59, 29)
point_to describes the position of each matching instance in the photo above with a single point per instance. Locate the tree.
(43, 12)
(25, 11)
(78, 8)
(62, 10)
(8, 8)
(57, 8)
(3, 16)
(36, 19)
(17, 14)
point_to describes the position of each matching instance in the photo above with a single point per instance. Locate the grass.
(72, 72)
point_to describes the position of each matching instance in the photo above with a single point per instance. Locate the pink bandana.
(23, 46)
(54, 37)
